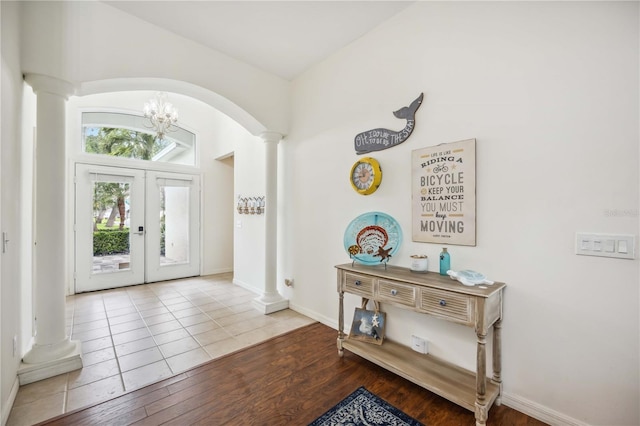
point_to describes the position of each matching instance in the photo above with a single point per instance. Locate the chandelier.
(161, 114)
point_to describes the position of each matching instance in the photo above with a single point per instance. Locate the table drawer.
(392, 291)
(358, 284)
(453, 306)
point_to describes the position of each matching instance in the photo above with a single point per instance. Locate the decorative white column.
(52, 353)
(271, 300)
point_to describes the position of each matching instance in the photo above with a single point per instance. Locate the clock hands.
(363, 174)
(366, 175)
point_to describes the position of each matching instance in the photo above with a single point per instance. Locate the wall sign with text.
(379, 139)
(443, 192)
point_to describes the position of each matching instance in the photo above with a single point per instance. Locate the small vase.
(445, 262)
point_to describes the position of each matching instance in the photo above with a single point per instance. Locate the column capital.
(46, 84)
(268, 136)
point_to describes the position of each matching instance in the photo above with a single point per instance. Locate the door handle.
(140, 230)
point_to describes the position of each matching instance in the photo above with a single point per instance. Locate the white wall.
(249, 235)
(27, 160)
(83, 42)
(550, 92)
(10, 202)
(244, 155)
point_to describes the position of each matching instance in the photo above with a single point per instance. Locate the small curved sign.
(379, 139)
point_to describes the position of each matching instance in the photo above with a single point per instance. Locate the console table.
(429, 293)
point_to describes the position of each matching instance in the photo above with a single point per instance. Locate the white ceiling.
(281, 37)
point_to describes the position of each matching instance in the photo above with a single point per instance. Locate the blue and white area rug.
(364, 408)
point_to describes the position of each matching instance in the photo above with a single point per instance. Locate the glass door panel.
(174, 224)
(134, 226)
(173, 215)
(111, 239)
(109, 227)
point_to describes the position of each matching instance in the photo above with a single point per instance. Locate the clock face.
(366, 175)
(363, 175)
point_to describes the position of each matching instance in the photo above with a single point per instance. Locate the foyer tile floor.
(135, 336)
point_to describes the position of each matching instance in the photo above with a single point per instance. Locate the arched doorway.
(216, 180)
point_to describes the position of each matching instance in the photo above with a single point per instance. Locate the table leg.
(481, 381)
(497, 358)
(340, 323)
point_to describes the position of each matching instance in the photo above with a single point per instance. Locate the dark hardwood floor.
(289, 380)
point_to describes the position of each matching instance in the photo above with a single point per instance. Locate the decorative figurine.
(384, 253)
(469, 278)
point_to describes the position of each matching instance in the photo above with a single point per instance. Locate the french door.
(134, 226)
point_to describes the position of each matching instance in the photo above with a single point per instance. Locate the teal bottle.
(445, 262)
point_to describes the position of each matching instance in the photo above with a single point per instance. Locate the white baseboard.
(217, 271)
(10, 401)
(540, 412)
(246, 286)
(329, 322)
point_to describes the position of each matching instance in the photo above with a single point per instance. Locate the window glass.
(131, 136)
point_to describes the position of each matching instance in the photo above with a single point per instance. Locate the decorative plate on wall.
(372, 238)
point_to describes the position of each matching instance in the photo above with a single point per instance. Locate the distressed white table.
(479, 307)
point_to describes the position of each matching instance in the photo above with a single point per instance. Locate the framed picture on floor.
(368, 326)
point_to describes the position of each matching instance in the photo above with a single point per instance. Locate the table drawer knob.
(394, 292)
(443, 302)
(357, 282)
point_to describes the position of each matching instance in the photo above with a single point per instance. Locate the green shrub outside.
(111, 241)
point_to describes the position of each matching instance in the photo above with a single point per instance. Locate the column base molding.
(270, 304)
(33, 372)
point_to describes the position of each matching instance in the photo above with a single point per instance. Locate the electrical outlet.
(419, 345)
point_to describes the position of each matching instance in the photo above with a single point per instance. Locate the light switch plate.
(620, 246)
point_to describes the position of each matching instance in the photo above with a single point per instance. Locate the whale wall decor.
(379, 139)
